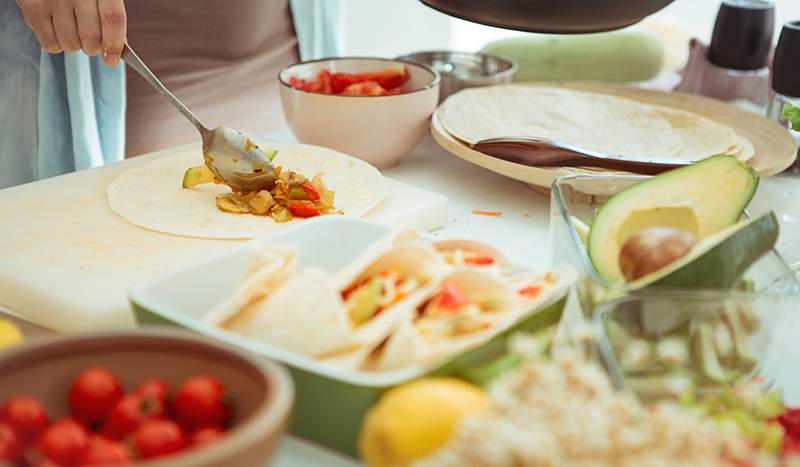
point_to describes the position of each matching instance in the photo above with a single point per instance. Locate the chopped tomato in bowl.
(386, 81)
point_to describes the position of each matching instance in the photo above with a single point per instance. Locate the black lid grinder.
(743, 31)
(786, 64)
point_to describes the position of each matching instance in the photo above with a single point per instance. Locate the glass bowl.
(574, 201)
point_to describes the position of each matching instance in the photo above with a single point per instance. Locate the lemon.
(414, 420)
(9, 334)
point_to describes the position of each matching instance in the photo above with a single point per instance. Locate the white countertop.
(521, 232)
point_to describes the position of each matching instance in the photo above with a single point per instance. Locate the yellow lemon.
(9, 334)
(414, 420)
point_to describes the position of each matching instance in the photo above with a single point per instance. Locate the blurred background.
(392, 27)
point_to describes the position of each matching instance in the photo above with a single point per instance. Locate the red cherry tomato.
(93, 394)
(201, 401)
(452, 297)
(10, 443)
(158, 437)
(157, 389)
(129, 413)
(26, 416)
(104, 451)
(206, 435)
(303, 209)
(65, 442)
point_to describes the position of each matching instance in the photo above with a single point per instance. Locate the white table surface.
(521, 232)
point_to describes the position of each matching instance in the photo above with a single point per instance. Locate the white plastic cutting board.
(67, 261)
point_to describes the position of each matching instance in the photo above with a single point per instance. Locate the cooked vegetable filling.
(293, 195)
(374, 294)
(453, 313)
(460, 257)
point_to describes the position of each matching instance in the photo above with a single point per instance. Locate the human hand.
(68, 25)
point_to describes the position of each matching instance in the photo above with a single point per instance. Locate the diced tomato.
(311, 191)
(389, 78)
(451, 297)
(366, 88)
(531, 291)
(479, 260)
(386, 81)
(303, 209)
(340, 81)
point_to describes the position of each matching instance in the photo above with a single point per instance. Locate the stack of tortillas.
(593, 121)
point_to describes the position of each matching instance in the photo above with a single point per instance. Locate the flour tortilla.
(304, 311)
(150, 196)
(590, 120)
(408, 347)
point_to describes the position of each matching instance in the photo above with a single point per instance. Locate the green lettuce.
(791, 113)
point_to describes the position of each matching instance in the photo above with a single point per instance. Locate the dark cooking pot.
(551, 16)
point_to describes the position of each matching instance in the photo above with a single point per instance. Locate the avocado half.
(703, 199)
(720, 260)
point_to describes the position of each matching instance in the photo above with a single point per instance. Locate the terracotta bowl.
(262, 392)
(377, 129)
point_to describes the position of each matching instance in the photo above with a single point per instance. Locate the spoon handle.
(542, 154)
(138, 66)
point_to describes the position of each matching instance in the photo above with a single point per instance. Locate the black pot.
(551, 16)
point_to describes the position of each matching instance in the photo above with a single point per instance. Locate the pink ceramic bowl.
(262, 392)
(377, 129)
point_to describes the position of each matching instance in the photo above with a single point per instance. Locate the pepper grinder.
(786, 78)
(734, 66)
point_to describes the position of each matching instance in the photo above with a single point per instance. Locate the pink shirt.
(220, 57)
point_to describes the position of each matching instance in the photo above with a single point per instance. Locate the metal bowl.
(461, 70)
(559, 16)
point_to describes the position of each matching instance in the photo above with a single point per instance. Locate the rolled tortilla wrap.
(308, 313)
(436, 329)
(468, 254)
(269, 266)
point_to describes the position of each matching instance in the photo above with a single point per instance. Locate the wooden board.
(775, 148)
(67, 261)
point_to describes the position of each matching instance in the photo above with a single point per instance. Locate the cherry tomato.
(311, 191)
(201, 401)
(303, 209)
(129, 413)
(93, 394)
(26, 416)
(103, 451)
(158, 437)
(452, 297)
(10, 443)
(65, 442)
(206, 435)
(155, 388)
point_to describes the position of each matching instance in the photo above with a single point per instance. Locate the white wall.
(394, 27)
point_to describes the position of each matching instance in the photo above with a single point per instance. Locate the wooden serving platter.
(775, 148)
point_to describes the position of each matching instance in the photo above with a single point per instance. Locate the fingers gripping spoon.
(230, 154)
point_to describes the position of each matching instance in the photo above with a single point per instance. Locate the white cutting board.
(67, 261)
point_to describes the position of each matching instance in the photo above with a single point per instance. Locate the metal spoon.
(230, 154)
(543, 152)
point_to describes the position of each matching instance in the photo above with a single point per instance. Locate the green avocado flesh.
(197, 175)
(703, 199)
(720, 260)
(367, 302)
